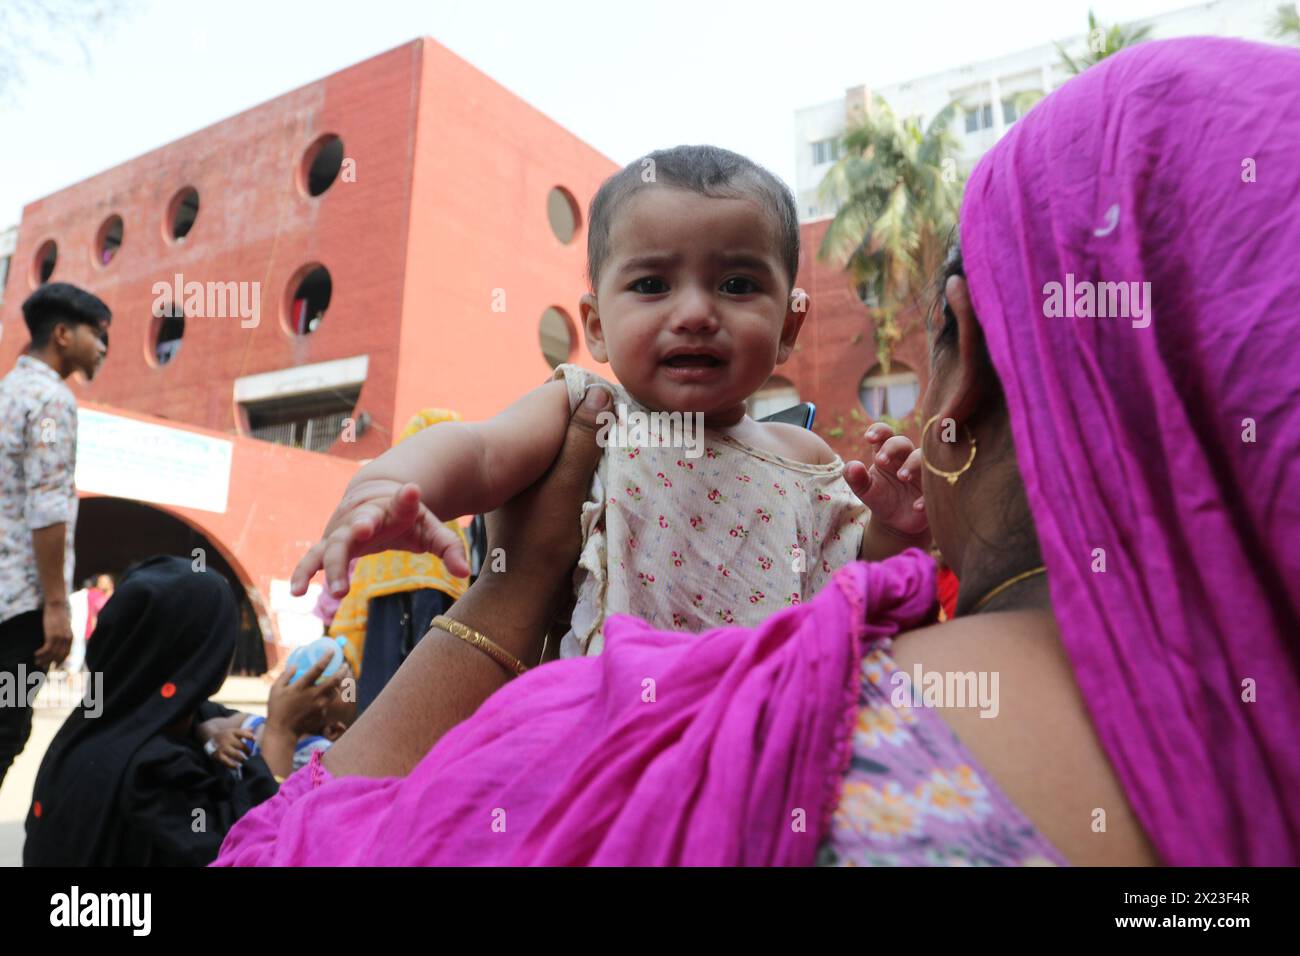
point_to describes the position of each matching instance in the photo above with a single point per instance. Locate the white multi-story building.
(987, 91)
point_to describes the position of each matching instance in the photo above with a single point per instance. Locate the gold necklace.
(1006, 584)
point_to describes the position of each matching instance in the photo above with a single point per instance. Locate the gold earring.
(952, 476)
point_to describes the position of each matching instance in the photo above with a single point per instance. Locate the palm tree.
(1102, 42)
(1285, 24)
(897, 189)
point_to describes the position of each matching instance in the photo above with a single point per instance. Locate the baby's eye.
(739, 285)
(649, 286)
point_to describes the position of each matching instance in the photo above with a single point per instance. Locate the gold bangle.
(488, 647)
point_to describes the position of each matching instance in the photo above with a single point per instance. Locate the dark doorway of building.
(113, 534)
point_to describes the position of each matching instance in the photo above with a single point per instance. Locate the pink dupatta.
(1161, 453)
(724, 748)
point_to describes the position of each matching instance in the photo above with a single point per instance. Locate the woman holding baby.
(1124, 549)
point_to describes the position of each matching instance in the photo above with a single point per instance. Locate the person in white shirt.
(38, 496)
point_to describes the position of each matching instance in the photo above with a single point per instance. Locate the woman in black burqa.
(133, 785)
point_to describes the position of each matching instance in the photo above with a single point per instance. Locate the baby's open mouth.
(692, 361)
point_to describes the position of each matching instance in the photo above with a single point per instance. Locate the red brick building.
(837, 352)
(290, 285)
(438, 199)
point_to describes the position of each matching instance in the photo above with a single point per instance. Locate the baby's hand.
(228, 747)
(377, 515)
(891, 487)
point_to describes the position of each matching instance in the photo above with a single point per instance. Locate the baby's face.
(693, 310)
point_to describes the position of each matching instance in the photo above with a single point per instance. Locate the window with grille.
(825, 151)
(312, 420)
(979, 117)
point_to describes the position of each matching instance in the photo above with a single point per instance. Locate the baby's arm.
(890, 487)
(399, 500)
(474, 467)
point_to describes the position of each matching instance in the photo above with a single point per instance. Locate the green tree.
(898, 189)
(1285, 24)
(1102, 42)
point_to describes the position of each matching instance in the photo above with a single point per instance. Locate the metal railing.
(313, 434)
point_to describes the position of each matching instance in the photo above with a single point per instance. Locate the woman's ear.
(589, 312)
(964, 386)
(795, 313)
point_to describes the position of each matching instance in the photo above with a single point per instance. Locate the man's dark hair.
(57, 302)
(707, 170)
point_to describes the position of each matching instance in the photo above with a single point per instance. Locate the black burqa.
(114, 789)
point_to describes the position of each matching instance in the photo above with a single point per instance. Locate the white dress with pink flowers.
(685, 543)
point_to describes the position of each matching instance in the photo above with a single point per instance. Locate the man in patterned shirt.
(38, 499)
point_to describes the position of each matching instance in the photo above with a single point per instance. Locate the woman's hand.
(377, 514)
(301, 707)
(445, 680)
(891, 487)
(538, 533)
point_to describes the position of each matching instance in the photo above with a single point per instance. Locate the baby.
(232, 739)
(691, 255)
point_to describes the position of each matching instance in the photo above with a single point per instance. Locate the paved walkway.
(241, 693)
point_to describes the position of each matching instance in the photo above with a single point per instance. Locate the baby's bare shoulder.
(797, 444)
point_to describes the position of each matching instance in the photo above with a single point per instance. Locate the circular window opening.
(776, 395)
(108, 240)
(889, 396)
(557, 336)
(309, 298)
(321, 164)
(43, 265)
(165, 333)
(181, 213)
(867, 295)
(562, 211)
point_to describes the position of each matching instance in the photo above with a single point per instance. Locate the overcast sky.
(627, 76)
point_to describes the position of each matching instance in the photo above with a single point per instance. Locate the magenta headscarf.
(725, 748)
(1168, 451)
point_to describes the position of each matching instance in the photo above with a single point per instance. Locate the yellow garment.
(390, 572)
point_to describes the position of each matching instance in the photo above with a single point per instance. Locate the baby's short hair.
(707, 170)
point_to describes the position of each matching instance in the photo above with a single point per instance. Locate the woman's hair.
(947, 334)
(953, 266)
(706, 170)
